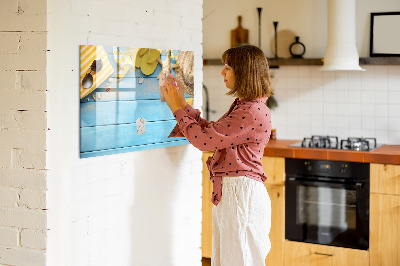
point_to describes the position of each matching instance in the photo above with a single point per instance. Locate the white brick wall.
(139, 208)
(24, 256)
(8, 197)
(23, 132)
(34, 239)
(100, 209)
(9, 237)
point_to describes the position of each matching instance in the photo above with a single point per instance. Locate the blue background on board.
(108, 124)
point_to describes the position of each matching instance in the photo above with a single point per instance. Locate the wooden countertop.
(389, 154)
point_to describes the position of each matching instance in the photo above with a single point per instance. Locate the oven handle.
(357, 185)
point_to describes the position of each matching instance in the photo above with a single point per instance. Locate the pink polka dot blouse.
(238, 139)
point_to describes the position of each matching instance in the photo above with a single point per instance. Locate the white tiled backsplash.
(339, 103)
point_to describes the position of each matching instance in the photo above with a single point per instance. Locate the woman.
(242, 211)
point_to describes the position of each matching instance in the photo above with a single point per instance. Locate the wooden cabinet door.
(277, 233)
(304, 254)
(385, 178)
(384, 237)
(206, 225)
(274, 168)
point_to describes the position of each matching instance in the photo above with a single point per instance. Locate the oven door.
(327, 213)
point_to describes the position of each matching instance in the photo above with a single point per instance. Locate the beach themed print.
(122, 108)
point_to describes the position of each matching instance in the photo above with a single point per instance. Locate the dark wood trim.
(380, 61)
(295, 61)
(212, 62)
(273, 63)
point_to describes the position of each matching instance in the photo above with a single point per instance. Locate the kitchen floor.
(206, 261)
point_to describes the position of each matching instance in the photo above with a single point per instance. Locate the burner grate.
(332, 142)
(327, 142)
(358, 144)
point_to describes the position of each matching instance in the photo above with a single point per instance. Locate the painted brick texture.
(139, 208)
(23, 125)
(109, 195)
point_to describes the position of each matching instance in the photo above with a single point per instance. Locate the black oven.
(327, 202)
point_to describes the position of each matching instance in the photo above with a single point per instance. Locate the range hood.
(341, 51)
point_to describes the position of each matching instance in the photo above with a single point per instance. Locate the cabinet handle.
(324, 254)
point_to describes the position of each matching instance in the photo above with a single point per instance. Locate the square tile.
(394, 137)
(342, 96)
(342, 81)
(355, 122)
(291, 71)
(368, 123)
(394, 97)
(355, 109)
(394, 110)
(367, 82)
(355, 96)
(329, 109)
(394, 123)
(367, 133)
(381, 110)
(381, 84)
(394, 70)
(380, 71)
(355, 132)
(329, 95)
(303, 82)
(367, 96)
(381, 123)
(394, 83)
(381, 97)
(342, 122)
(292, 83)
(382, 136)
(354, 83)
(342, 109)
(367, 110)
(304, 72)
(329, 122)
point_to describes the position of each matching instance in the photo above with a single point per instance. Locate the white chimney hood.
(341, 51)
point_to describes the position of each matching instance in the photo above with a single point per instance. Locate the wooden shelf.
(273, 63)
(380, 61)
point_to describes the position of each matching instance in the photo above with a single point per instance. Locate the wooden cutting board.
(239, 35)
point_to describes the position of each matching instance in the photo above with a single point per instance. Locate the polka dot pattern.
(238, 139)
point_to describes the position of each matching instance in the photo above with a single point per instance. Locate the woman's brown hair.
(250, 66)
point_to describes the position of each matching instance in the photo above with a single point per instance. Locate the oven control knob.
(343, 168)
(308, 166)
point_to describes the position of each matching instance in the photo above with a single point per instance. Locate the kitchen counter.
(389, 154)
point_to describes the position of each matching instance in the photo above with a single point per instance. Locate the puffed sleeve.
(231, 130)
(193, 113)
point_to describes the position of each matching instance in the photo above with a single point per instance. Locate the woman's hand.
(174, 94)
(181, 90)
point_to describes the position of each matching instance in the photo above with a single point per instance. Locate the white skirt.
(241, 223)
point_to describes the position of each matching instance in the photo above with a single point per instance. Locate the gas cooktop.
(332, 142)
